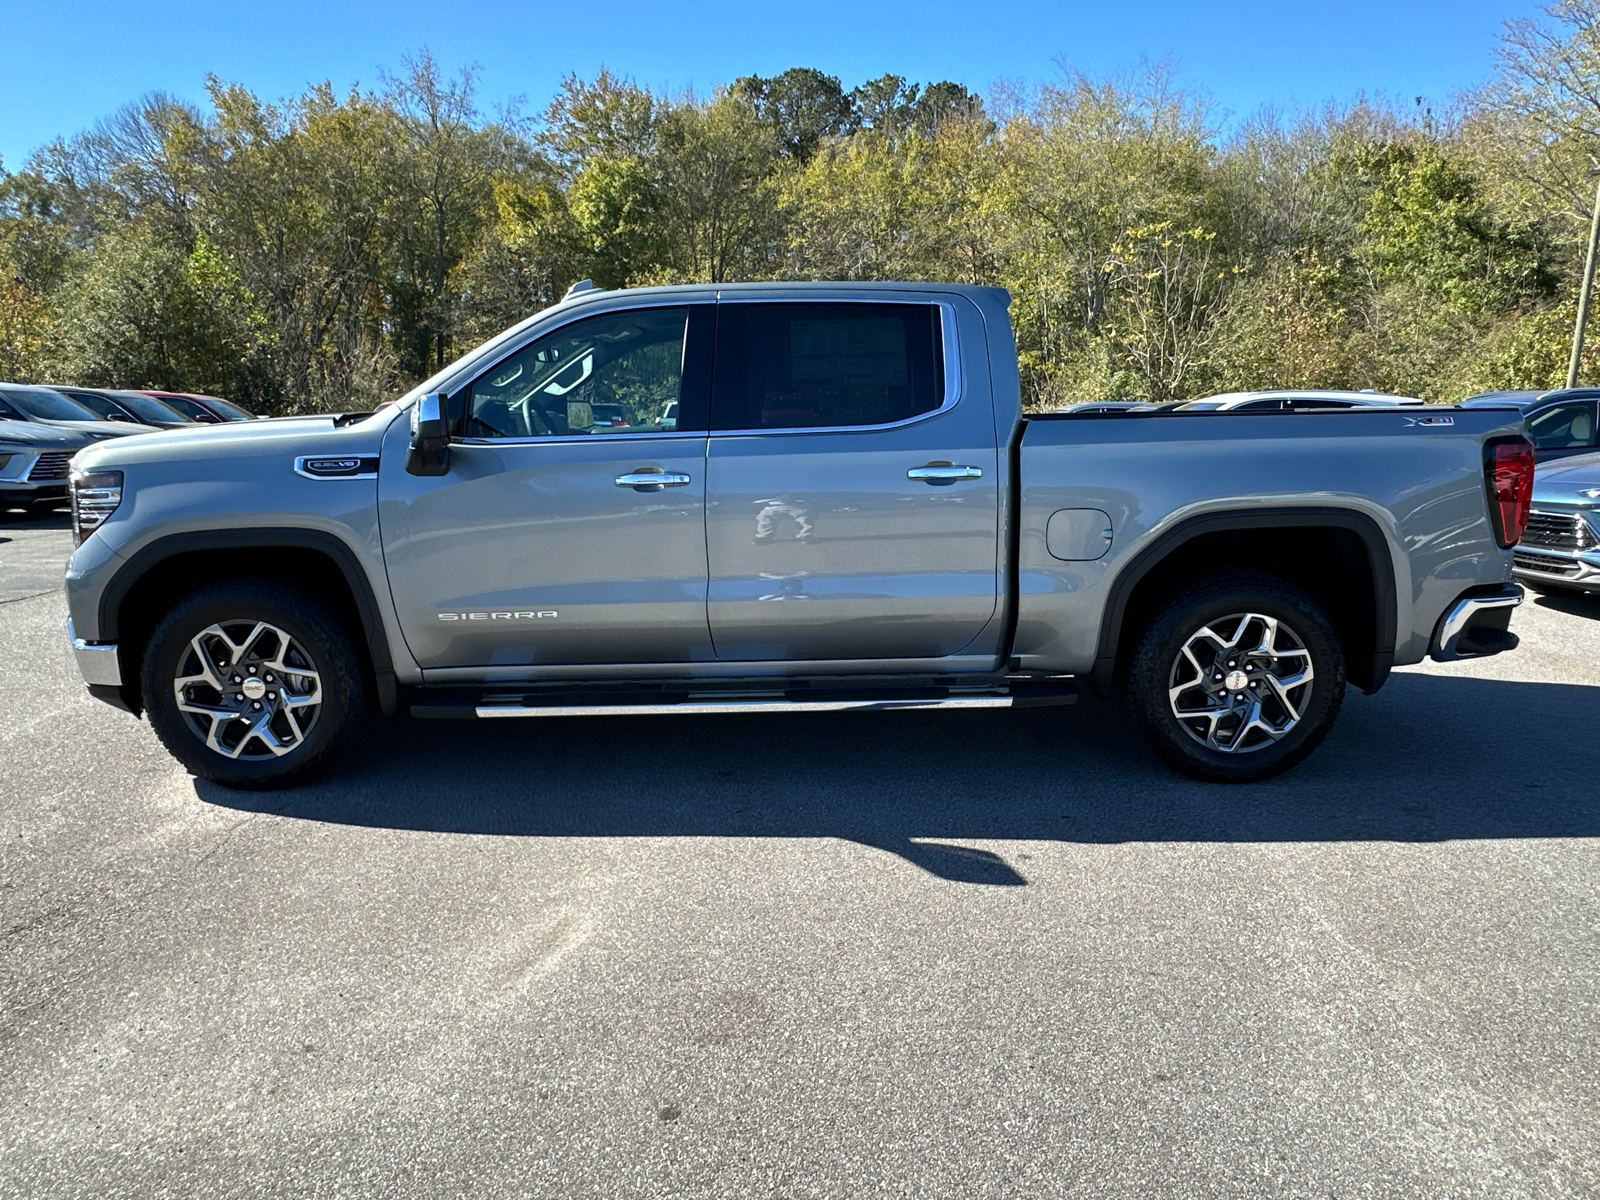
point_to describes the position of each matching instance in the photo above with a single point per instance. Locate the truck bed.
(1410, 486)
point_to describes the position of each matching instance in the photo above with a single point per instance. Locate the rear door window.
(826, 366)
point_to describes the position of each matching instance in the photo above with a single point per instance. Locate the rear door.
(556, 537)
(852, 482)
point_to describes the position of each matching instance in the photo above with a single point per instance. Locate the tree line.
(325, 251)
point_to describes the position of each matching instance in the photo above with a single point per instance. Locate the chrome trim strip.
(705, 707)
(507, 677)
(1587, 570)
(97, 662)
(1460, 616)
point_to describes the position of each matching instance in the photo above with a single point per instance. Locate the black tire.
(320, 644)
(1158, 663)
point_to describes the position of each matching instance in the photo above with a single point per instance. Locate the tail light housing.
(1508, 472)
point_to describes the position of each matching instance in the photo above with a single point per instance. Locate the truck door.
(571, 525)
(852, 483)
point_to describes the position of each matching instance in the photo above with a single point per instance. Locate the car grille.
(1546, 564)
(1559, 531)
(53, 464)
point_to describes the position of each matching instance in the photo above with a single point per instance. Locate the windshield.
(480, 353)
(195, 412)
(148, 408)
(49, 406)
(98, 405)
(228, 410)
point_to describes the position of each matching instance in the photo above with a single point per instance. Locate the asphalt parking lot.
(936, 955)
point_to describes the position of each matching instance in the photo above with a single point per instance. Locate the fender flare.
(147, 557)
(1379, 559)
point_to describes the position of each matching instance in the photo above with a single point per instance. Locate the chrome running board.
(703, 707)
(1056, 693)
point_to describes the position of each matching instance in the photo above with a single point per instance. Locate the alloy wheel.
(248, 690)
(1240, 683)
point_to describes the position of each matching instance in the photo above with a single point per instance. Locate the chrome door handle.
(944, 473)
(651, 481)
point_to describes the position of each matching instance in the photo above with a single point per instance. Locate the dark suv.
(1561, 423)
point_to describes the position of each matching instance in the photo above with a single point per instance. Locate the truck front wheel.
(1237, 677)
(251, 685)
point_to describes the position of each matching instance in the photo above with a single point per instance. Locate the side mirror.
(430, 436)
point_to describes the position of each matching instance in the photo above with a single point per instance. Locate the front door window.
(614, 373)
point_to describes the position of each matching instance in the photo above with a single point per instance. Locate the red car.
(208, 410)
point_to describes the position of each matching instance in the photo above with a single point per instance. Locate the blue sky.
(64, 64)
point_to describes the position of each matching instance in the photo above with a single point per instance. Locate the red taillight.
(1509, 473)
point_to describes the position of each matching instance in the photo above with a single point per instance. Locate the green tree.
(802, 106)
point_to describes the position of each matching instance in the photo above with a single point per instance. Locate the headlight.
(95, 496)
(4, 459)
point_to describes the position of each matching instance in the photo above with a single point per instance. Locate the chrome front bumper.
(1564, 568)
(1464, 614)
(97, 663)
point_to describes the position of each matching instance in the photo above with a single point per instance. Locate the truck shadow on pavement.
(56, 519)
(1578, 605)
(1431, 758)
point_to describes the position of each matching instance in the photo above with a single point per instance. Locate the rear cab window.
(826, 365)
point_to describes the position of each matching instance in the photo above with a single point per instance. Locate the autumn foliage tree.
(328, 250)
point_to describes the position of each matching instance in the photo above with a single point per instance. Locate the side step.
(1022, 695)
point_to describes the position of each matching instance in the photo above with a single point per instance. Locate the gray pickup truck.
(783, 497)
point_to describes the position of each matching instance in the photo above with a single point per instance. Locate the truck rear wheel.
(1238, 677)
(253, 686)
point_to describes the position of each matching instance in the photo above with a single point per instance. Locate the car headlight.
(4, 459)
(95, 496)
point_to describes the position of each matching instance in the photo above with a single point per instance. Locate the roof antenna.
(583, 285)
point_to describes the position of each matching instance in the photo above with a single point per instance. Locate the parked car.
(24, 402)
(133, 407)
(1560, 548)
(1292, 401)
(34, 462)
(1104, 406)
(1561, 423)
(852, 513)
(1096, 407)
(207, 410)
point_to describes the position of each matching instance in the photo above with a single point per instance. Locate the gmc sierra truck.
(845, 509)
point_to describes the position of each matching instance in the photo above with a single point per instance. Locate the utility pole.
(1583, 296)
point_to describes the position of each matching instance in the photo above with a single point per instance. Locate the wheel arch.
(1339, 555)
(154, 577)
